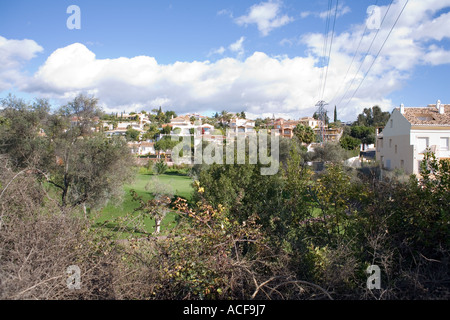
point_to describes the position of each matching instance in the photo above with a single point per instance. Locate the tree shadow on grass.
(175, 174)
(117, 228)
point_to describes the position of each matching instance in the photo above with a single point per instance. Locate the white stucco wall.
(400, 143)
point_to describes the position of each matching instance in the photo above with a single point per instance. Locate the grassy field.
(108, 217)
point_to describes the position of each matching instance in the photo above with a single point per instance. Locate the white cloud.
(238, 46)
(434, 29)
(406, 48)
(287, 42)
(341, 10)
(266, 15)
(305, 14)
(225, 12)
(436, 56)
(218, 51)
(259, 84)
(13, 55)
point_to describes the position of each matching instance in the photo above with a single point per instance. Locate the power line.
(353, 60)
(367, 53)
(378, 53)
(325, 45)
(329, 52)
(321, 104)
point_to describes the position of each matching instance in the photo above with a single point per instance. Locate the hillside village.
(401, 145)
(394, 141)
(115, 175)
(212, 128)
(325, 186)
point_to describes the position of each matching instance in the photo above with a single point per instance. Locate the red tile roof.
(428, 116)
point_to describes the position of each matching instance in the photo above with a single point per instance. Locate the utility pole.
(322, 113)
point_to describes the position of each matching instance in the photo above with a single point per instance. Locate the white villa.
(142, 148)
(241, 126)
(410, 132)
(183, 123)
(310, 122)
(236, 126)
(122, 128)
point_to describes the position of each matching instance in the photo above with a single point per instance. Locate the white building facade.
(409, 133)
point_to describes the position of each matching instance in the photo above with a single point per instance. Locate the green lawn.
(108, 217)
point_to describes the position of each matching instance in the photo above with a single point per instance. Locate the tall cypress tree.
(335, 114)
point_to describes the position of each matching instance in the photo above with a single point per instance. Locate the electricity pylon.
(322, 114)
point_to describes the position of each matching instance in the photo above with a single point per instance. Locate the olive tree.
(20, 128)
(157, 207)
(64, 150)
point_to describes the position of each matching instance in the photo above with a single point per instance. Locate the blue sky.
(262, 57)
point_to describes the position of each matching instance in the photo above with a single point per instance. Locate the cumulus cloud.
(225, 12)
(238, 46)
(407, 47)
(257, 83)
(436, 56)
(341, 10)
(217, 51)
(13, 55)
(266, 15)
(305, 14)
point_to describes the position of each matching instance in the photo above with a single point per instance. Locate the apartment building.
(330, 134)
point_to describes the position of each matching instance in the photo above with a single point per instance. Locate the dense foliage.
(297, 234)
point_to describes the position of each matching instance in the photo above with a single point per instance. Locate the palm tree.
(223, 116)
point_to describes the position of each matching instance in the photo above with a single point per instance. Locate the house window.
(422, 144)
(395, 149)
(390, 143)
(402, 164)
(388, 164)
(444, 144)
(391, 123)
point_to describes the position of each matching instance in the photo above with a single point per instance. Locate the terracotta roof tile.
(428, 116)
